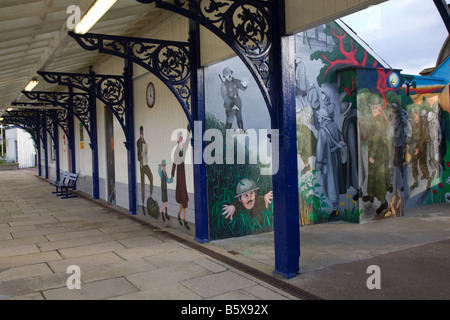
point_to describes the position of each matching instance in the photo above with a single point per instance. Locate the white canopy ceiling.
(34, 37)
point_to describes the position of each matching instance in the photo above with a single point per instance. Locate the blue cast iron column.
(198, 116)
(285, 184)
(56, 143)
(71, 137)
(94, 144)
(130, 136)
(39, 164)
(44, 146)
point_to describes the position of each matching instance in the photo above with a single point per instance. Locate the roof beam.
(56, 45)
(444, 11)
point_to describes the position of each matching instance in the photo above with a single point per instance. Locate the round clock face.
(150, 95)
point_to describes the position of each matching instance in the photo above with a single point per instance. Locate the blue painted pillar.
(71, 137)
(130, 143)
(198, 116)
(44, 146)
(94, 143)
(39, 164)
(56, 143)
(285, 184)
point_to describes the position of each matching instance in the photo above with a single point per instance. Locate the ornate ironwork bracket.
(75, 103)
(27, 124)
(38, 120)
(109, 89)
(167, 60)
(245, 25)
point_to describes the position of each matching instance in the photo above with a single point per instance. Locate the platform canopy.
(34, 34)
(34, 37)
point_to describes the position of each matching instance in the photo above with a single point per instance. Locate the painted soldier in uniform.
(418, 144)
(248, 202)
(378, 179)
(232, 101)
(306, 144)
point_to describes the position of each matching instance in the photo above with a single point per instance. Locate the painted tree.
(346, 52)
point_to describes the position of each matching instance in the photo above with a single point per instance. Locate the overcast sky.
(407, 34)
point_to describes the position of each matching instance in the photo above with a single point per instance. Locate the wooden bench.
(59, 183)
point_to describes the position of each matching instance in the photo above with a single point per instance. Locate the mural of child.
(164, 181)
(248, 201)
(181, 194)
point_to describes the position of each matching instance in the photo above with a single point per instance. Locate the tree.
(346, 52)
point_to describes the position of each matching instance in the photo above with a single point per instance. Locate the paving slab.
(126, 257)
(97, 290)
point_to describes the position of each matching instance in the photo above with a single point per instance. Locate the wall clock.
(150, 95)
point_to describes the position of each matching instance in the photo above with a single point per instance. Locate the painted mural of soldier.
(248, 201)
(306, 144)
(417, 146)
(398, 140)
(328, 159)
(231, 100)
(378, 178)
(434, 140)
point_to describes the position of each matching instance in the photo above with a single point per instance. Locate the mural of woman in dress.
(181, 194)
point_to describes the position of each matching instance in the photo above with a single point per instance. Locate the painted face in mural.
(227, 74)
(376, 109)
(248, 199)
(416, 115)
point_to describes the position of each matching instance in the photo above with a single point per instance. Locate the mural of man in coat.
(328, 159)
(378, 179)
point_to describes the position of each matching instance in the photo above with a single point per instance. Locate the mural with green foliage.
(239, 195)
(374, 163)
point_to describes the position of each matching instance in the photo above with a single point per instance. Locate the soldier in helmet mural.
(248, 201)
(231, 100)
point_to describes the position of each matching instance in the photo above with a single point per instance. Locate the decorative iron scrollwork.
(167, 60)
(30, 120)
(77, 104)
(245, 25)
(109, 89)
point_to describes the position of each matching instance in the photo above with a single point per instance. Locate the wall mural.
(369, 143)
(171, 197)
(239, 196)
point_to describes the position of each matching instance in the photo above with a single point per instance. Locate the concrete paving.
(132, 257)
(118, 257)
